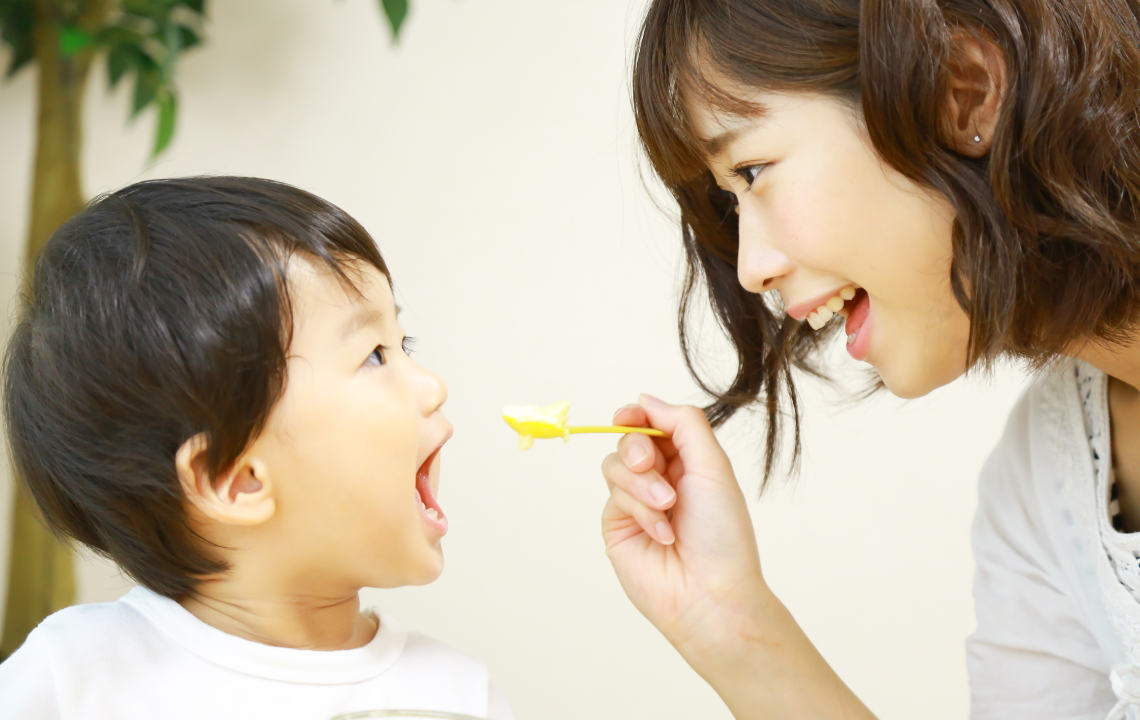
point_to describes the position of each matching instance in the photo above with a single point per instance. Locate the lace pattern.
(1118, 570)
(1122, 548)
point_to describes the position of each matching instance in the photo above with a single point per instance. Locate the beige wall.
(493, 157)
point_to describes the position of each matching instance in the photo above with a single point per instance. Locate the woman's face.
(821, 213)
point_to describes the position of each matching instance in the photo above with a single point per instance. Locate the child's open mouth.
(430, 510)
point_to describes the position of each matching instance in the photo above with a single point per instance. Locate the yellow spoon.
(547, 422)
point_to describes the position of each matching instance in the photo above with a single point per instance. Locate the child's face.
(354, 441)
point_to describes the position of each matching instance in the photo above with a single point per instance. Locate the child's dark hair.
(159, 312)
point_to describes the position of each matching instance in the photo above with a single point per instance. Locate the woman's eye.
(749, 173)
(376, 358)
(727, 200)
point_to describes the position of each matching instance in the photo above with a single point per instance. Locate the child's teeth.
(835, 304)
(813, 320)
(847, 293)
(851, 338)
(824, 314)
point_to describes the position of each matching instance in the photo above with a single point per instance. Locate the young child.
(208, 384)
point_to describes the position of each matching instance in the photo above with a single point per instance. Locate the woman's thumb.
(691, 434)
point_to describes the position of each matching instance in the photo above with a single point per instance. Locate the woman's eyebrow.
(717, 143)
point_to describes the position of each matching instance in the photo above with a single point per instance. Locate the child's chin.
(428, 569)
(425, 568)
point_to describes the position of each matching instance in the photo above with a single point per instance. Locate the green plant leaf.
(189, 38)
(17, 23)
(167, 111)
(118, 60)
(121, 59)
(147, 83)
(198, 6)
(72, 40)
(118, 35)
(396, 11)
(154, 9)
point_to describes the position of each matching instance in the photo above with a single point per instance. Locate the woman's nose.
(759, 265)
(759, 268)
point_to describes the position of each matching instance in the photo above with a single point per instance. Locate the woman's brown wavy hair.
(1046, 242)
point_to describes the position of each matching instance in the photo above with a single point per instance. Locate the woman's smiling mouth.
(851, 303)
(858, 327)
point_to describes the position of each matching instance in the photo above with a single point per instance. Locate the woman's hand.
(677, 527)
(680, 538)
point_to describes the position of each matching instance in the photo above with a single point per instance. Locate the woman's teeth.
(834, 306)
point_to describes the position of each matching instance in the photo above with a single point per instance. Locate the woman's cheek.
(796, 232)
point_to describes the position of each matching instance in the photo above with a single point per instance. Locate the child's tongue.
(428, 504)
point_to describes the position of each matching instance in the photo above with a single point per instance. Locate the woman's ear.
(975, 88)
(242, 495)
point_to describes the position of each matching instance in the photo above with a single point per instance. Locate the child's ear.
(242, 495)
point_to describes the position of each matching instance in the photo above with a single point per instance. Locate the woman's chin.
(915, 381)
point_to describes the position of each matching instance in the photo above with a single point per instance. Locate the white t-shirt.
(1058, 633)
(145, 657)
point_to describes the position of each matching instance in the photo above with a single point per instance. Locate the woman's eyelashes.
(748, 173)
(378, 356)
(726, 200)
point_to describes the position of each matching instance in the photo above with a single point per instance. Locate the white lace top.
(1057, 587)
(1123, 548)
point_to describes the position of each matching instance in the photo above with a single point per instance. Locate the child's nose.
(432, 391)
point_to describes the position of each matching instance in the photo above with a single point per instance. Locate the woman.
(957, 180)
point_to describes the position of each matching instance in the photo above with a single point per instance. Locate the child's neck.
(283, 618)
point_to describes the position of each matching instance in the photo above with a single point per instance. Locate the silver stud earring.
(977, 138)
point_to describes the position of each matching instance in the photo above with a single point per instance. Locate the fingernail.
(635, 455)
(664, 533)
(661, 492)
(647, 399)
(623, 408)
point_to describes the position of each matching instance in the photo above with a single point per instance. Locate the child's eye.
(376, 358)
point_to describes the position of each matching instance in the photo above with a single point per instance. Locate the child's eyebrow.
(363, 317)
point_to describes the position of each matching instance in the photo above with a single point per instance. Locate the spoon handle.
(615, 429)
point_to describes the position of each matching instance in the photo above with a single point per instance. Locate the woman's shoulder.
(1035, 540)
(1045, 429)
(1036, 489)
